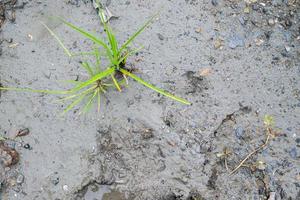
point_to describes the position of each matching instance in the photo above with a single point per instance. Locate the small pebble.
(147, 133)
(65, 188)
(287, 48)
(20, 179)
(22, 132)
(214, 2)
(259, 42)
(55, 180)
(27, 146)
(293, 153)
(298, 140)
(247, 10)
(236, 41)
(271, 22)
(198, 30)
(239, 132)
(255, 7)
(242, 21)
(160, 36)
(218, 44)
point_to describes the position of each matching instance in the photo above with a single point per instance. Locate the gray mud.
(235, 61)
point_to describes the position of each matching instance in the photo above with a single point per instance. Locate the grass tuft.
(100, 78)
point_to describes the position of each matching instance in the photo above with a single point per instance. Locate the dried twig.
(269, 134)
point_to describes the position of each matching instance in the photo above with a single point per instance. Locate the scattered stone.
(255, 7)
(271, 22)
(205, 72)
(277, 2)
(293, 153)
(218, 44)
(242, 21)
(298, 140)
(198, 30)
(27, 146)
(8, 156)
(214, 2)
(54, 179)
(261, 165)
(236, 41)
(250, 1)
(20, 179)
(239, 132)
(287, 48)
(160, 36)
(272, 196)
(66, 188)
(14, 45)
(259, 42)
(22, 132)
(247, 10)
(147, 133)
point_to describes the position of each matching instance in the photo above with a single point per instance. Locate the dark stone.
(293, 153)
(160, 36)
(242, 21)
(214, 2)
(27, 146)
(239, 132)
(255, 7)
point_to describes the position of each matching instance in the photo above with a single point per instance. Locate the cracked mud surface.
(142, 145)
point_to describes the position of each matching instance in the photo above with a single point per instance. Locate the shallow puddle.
(103, 193)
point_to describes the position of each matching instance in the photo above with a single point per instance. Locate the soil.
(236, 61)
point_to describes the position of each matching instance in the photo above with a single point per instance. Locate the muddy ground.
(236, 61)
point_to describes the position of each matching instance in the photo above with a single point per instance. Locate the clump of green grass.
(101, 78)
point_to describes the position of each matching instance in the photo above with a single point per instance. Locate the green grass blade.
(83, 54)
(98, 60)
(136, 33)
(58, 40)
(37, 91)
(70, 81)
(72, 105)
(116, 83)
(129, 54)
(98, 99)
(109, 32)
(87, 67)
(88, 105)
(78, 94)
(96, 77)
(167, 94)
(88, 35)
